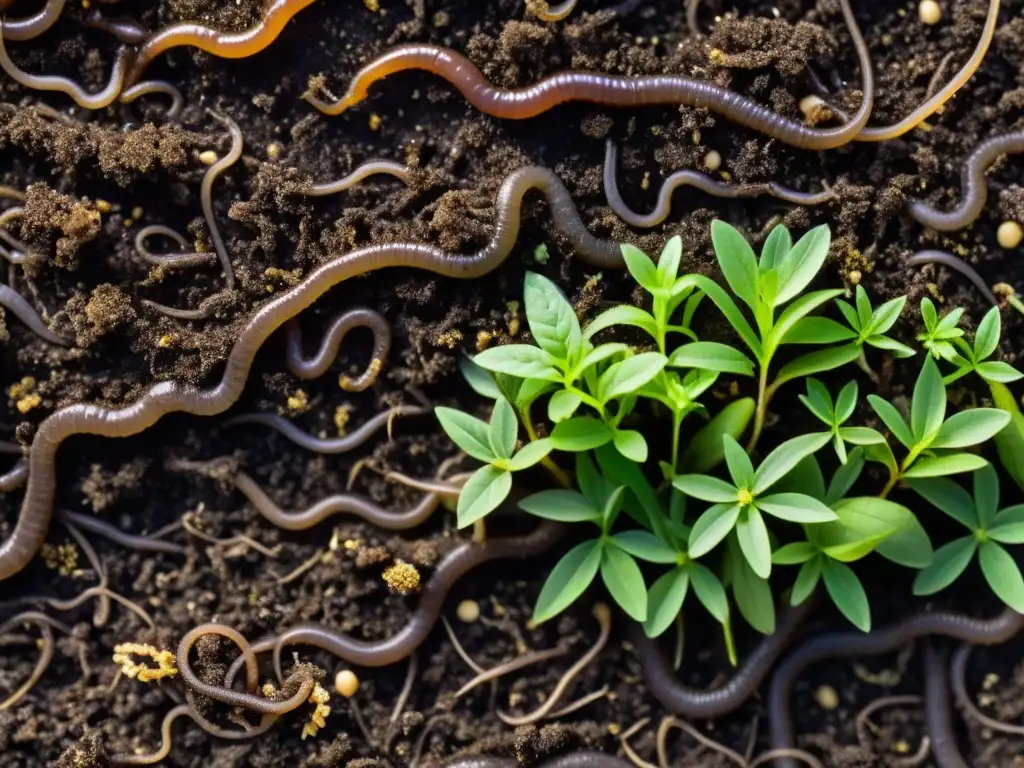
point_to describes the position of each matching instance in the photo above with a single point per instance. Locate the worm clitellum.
(171, 396)
(701, 181)
(875, 643)
(613, 90)
(67, 86)
(342, 503)
(316, 366)
(33, 26)
(222, 44)
(973, 186)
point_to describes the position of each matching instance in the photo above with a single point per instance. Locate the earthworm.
(15, 477)
(933, 104)
(544, 11)
(364, 171)
(171, 397)
(204, 311)
(165, 735)
(16, 303)
(149, 87)
(30, 27)
(974, 186)
(682, 700)
(224, 45)
(791, 753)
(863, 720)
(11, 449)
(954, 262)
(958, 675)
(449, 488)
(126, 29)
(230, 541)
(671, 721)
(936, 78)
(380, 653)
(701, 181)
(938, 712)
(875, 643)
(67, 86)
(611, 90)
(44, 623)
(341, 503)
(246, 700)
(692, 22)
(331, 445)
(581, 759)
(116, 535)
(316, 366)
(603, 615)
(20, 249)
(206, 190)
(168, 259)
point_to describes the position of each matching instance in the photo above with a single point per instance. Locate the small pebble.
(712, 160)
(468, 611)
(274, 151)
(1009, 234)
(346, 683)
(930, 12)
(208, 157)
(826, 697)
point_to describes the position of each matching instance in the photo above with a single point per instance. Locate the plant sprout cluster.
(706, 509)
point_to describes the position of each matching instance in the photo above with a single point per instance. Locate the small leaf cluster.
(722, 514)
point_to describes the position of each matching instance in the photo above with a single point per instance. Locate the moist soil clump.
(92, 180)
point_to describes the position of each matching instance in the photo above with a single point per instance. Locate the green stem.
(677, 423)
(547, 462)
(894, 477)
(586, 399)
(762, 409)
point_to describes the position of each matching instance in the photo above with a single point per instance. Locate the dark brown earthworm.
(613, 90)
(938, 711)
(15, 477)
(660, 678)
(33, 26)
(954, 262)
(341, 503)
(248, 700)
(581, 759)
(116, 535)
(171, 397)
(17, 304)
(82, 98)
(875, 643)
(701, 181)
(329, 445)
(224, 45)
(380, 653)
(316, 366)
(126, 29)
(973, 186)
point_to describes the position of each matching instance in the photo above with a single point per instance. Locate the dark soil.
(90, 281)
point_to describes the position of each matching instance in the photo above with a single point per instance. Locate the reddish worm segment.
(32, 26)
(380, 653)
(660, 678)
(172, 397)
(222, 44)
(342, 503)
(331, 445)
(973, 184)
(622, 91)
(314, 367)
(875, 643)
(613, 90)
(701, 181)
